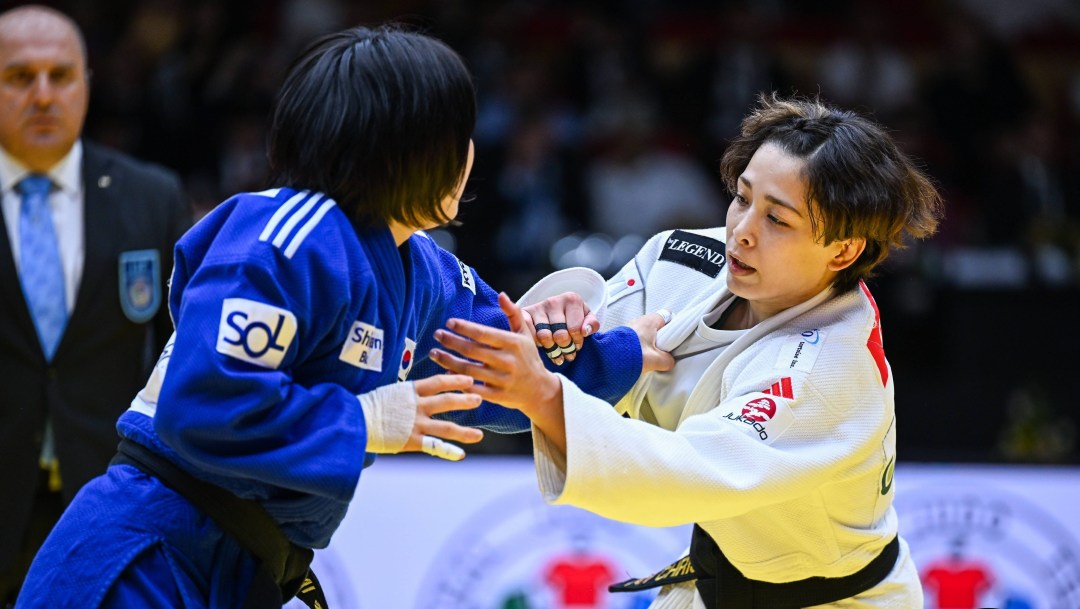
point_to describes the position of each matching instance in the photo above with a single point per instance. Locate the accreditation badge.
(140, 284)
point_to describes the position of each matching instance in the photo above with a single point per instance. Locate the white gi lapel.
(709, 390)
(684, 322)
(669, 337)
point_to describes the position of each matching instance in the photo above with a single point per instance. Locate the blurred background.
(602, 123)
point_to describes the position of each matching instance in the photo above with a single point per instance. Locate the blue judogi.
(284, 312)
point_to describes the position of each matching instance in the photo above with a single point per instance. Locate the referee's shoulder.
(99, 159)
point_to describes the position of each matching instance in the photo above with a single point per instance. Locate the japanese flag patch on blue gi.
(140, 284)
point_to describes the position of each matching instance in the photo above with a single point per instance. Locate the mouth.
(43, 122)
(738, 267)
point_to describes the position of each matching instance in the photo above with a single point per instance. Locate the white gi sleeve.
(709, 468)
(390, 413)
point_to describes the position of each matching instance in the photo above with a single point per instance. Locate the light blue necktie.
(40, 270)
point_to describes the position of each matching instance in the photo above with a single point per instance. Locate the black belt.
(283, 567)
(722, 586)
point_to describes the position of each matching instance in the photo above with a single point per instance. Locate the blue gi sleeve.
(607, 367)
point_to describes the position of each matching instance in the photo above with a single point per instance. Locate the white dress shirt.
(65, 205)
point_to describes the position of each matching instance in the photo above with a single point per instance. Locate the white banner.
(425, 534)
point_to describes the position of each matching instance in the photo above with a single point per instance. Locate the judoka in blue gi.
(298, 311)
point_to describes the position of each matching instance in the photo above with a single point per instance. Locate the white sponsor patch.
(763, 416)
(801, 352)
(146, 400)
(466, 277)
(255, 332)
(364, 347)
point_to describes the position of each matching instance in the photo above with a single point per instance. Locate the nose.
(742, 228)
(42, 90)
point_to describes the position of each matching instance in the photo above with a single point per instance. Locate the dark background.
(603, 122)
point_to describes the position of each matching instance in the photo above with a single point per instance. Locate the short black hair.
(379, 119)
(859, 184)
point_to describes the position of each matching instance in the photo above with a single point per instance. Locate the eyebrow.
(772, 199)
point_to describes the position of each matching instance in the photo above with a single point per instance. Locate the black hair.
(859, 184)
(379, 119)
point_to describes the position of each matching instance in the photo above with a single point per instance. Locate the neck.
(738, 316)
(401, 233)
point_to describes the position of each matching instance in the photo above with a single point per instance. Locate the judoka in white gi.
(770, 424)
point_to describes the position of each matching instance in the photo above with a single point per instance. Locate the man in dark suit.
(85, 254)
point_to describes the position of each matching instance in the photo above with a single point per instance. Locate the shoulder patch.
(364, 347)
(140, 284)
(801, 352)
(407, 358)
(763, 416)
(255, 332)
(467, 280)
(703, 254)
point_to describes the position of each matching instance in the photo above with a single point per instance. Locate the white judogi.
(782, 451)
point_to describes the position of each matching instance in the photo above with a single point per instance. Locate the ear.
(847, 252)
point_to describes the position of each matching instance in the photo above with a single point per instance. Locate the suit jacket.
(134, 212)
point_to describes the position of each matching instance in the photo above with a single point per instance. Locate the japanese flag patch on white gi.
(766, 417)
(364, 347)
(627, 282)
(255, 332)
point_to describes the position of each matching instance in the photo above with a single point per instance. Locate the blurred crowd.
(602, 122)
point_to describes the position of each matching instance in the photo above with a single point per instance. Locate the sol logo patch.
(255, 332)
(364, 347)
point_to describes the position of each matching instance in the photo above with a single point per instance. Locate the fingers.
(647, 326)
(660, 318)
(443, 450)
(448, 430)
(478, 371)
(575, 318)
(442, 382)
(661, 361)
(542, 331)
(486, 335)
(590, 325)
(515, 315)
(445, 402)
(665, 316)
(492, 360)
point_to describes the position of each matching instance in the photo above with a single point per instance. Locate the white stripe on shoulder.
(270, 194)
(280, 213)
(308, 227)
(296, 217)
